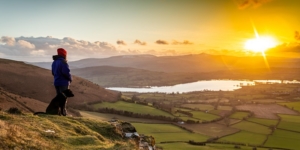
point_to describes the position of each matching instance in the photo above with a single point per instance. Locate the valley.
(253, 116)
(264, 116)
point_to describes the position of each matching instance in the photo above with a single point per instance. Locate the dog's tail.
(36, 113)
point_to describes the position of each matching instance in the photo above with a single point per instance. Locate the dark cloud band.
(121, 42)
(162, 42)
(140, 42)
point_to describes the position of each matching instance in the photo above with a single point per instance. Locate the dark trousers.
(59, 89)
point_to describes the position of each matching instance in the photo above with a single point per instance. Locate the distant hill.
(109, 76)
(148, 70)
(186, 63)
(28, 81)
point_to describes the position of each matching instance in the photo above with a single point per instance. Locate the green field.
(292, 126)
(204, 116)
(290, 118)
(292, 105)
(108, 117)
(153, 128)
(162, 137)
(289, 122)
(132, 107)
(178, 114)
(183, 109)
(239, 115)
(267, 122)
(268, 101)
(229, 108)
(230, 122)
(284, 139)
(245, 137)
(199, 106)
(188, 118)
(160, 96)
(215, 112)
(167, 132)
(252, 127)
(211, 129)
(186, 146)
(254, 131)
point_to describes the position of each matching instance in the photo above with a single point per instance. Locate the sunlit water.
(211, 85)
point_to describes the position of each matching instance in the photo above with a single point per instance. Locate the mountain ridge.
(184, 63)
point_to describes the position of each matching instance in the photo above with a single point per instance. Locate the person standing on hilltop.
(61, 74)
(61, 71)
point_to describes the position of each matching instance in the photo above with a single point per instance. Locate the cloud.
(120, 42)
(45, 47)
(8, 40)
(162, 42)
(291, 49)
(139, 42)
(25, 44)
(297, 36)
(243, 4)
(12, 46)
(185, 42)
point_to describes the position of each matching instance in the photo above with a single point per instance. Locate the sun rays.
(260, 44)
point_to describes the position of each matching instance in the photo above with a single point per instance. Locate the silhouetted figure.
(61, 73)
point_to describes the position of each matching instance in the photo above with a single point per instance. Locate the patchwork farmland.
(221, 120)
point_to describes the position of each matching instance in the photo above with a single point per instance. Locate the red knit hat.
(62, 52)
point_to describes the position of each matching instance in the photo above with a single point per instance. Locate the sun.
(260, 44)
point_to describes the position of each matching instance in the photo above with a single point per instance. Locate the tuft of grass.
(14, 110)
(83, 140)
(52, 132)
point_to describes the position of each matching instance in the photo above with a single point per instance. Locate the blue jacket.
(61, 71)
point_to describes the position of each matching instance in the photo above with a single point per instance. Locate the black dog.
(58, 104)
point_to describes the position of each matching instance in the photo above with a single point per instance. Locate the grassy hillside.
(8, 100)
(132, 107)
(26, 131)
(37, 83)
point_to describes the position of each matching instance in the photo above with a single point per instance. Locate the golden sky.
(159, 27)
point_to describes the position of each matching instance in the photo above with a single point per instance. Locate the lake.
(211, 85)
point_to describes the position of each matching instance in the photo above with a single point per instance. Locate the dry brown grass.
(55, 132)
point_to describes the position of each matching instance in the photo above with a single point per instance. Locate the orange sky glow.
(156, 27)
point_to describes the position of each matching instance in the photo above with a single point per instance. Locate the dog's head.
(68, 93)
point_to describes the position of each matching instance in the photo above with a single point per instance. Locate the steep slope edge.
(37, 83)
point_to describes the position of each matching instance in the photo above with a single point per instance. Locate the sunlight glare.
(260, 44)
